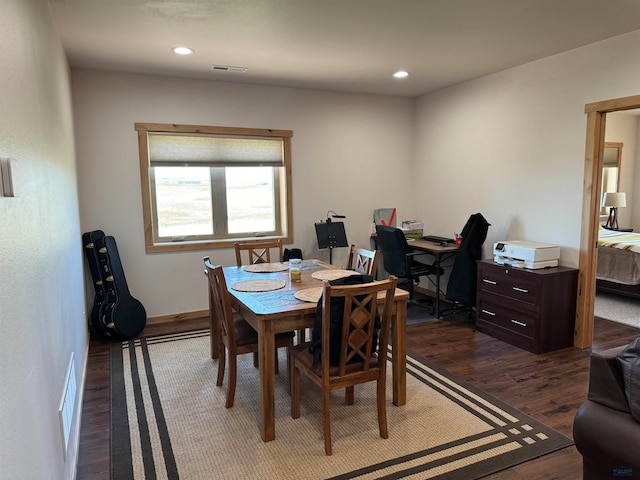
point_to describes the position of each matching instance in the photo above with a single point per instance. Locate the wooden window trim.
(147, 213)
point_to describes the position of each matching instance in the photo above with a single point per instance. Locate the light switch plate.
(7, 179)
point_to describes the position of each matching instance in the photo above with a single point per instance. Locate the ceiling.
(340, 45)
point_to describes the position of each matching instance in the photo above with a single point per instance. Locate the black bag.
(335, 327)
(293, 253)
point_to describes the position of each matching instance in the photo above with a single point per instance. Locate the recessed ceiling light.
(182, 50)
(401, 74)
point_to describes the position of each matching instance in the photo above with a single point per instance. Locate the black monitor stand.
(331, 235)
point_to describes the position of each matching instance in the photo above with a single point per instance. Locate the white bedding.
(618, 257)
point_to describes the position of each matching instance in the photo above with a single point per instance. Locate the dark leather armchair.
(399, 259)
(606, 428)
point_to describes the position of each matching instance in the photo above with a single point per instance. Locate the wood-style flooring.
(549, 387)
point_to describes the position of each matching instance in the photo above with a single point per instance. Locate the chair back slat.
(359, 325)
(258, 251)
(363, 261)
(220, 301)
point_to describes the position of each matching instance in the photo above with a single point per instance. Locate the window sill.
(189, 246)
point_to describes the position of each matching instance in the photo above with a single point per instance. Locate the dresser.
(531, 309)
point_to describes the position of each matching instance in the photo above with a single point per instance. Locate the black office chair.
(398, 258)
(461, 289)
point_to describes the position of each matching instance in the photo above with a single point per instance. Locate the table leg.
(266, 358)
(399, 353)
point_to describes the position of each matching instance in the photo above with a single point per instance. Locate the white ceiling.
(344, 45)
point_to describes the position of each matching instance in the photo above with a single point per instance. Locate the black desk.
(440, 253)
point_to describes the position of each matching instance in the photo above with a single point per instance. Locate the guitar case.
(92, 242)
(124, 315)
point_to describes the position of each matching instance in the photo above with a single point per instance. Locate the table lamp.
(614, 200)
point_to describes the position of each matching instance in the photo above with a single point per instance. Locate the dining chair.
(363, 261)
(258, 251)
(362, 357)
(236, 335)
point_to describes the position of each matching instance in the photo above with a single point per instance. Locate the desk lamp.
(614, 200)
(334, 215)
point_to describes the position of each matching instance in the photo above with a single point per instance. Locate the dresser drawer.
(510, 283)
(517, 321)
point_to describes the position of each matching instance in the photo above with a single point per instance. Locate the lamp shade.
(615, 199)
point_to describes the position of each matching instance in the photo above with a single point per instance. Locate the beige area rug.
(169, 421)
(618, 308)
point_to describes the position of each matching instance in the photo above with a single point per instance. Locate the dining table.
(279, 308)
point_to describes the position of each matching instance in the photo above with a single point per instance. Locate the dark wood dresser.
(531, 309)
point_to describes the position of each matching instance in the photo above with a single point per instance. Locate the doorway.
(596, 121)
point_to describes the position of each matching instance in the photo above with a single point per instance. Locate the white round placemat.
(258, 285)
(266, 267)
(332, 274)
(312, 294)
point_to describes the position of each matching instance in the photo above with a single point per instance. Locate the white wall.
(623, 128)
(41, 283)
(350, 153)
(512, 145)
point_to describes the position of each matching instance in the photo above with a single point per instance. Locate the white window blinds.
(211, 150)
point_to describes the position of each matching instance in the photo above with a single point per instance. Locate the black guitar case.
(92, 242)
(124, 315)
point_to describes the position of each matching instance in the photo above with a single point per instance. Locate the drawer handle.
(488, 312)
(522, 324)
(489, 281)
(523, 290)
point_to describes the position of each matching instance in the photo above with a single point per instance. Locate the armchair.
(606, 428)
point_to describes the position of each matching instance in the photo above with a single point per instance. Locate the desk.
(440, 253)
(279, 311)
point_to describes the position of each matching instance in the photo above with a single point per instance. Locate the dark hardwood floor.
(549, 387)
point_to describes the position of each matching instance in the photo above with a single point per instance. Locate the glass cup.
(295, 270)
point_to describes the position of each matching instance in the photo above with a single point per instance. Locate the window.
(207, 187)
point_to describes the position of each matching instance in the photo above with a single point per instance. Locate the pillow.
(629, 361)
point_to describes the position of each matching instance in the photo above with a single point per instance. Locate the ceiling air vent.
(228, 68)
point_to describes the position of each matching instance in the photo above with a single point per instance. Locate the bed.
(618, 262)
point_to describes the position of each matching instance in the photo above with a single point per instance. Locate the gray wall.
(512, 145)
(41, 282)
(350, 153)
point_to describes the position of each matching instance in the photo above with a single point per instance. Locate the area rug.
(169, 421)
(617, 308)
(417, 313)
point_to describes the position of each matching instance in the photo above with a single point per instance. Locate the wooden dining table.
(276, 311)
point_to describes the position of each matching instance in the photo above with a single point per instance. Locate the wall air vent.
(228, 68)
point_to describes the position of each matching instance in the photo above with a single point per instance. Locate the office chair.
(462, 285)
(398, 258)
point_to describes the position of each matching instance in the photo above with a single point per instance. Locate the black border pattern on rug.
(120, 420)
(555, 441)
(417, 366)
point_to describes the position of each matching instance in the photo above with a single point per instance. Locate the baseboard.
(178, 317)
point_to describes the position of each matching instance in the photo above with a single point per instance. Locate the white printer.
(523, 254)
